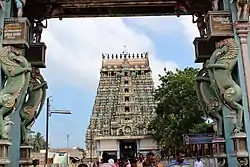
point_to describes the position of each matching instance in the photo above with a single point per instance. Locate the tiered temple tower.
(123, 107)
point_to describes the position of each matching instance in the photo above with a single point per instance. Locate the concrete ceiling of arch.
(112, 8)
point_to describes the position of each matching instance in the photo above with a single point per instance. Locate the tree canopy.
(178, 111)
(38, 142)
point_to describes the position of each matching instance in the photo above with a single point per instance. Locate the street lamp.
(48, 114)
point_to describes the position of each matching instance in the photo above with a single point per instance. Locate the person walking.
(140, 160)
(199, 163)
(180, 160)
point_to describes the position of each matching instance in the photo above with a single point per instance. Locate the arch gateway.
(222, 48)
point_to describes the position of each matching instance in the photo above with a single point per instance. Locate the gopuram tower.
(123, 107)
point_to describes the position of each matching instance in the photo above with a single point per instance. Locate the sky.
(73, 58)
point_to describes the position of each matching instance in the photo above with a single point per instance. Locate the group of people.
(180, 161)
(150, 160)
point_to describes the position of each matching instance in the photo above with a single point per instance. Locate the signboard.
(198, 138)
(219, 24)
(16, 31)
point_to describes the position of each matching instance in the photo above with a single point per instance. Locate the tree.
(178, 111)
(38, 142)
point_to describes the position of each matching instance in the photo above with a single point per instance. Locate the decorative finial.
(137, 55)
(125, 52)
(108, 56)
(103, 56)
(124, 49)
(133, 56)
(112, 56)
(116, 56)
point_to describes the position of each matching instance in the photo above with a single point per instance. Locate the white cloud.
(167, 25)
(191, 30)
(170, 25)
(75, 47)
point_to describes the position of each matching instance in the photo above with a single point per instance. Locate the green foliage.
(178, 111)
(38, 142)
(202, 128)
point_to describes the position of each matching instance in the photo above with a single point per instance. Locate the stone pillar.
(4, 152)
(13, 148)
(101, 152)
(118, 149)
(4, 144)
(138, 146)
(241, 30)
(25, 159)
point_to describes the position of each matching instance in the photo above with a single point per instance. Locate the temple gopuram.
(123, 108)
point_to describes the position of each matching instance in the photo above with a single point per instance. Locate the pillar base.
(219, 144)
(4, 152)
(25, 159)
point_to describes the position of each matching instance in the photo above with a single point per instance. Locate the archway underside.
(112, 8)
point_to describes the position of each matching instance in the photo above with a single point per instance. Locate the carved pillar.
(118, 149)
(138, 145)
(5, 145)
(241, 33)
(242, 29)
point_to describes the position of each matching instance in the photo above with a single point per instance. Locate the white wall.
(148, 144)
(108, 145)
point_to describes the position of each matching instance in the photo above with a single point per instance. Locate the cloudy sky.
(74, 48)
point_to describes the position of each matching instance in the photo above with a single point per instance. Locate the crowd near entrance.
(128, 148)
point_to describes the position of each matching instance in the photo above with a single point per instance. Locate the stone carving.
(20, 5)
(134, 74)
(28, 136)
(180, 8)
(220, 67)
(2, 5)
(215, 4)
(127, 130)
(242, 9)
(7, 126)
(17, 71)
(32, 107)
(120, 133)
(38, 29)
(209, 102)
(201, 25)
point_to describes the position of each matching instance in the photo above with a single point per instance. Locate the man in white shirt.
(199, 163)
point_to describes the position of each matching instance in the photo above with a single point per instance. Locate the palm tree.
(38, 142)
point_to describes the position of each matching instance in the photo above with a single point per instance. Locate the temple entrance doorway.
(128, 148)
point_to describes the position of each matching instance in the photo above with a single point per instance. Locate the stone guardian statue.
(32, 107)
(17, 71)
